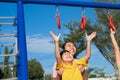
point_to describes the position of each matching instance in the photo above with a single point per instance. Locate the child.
(66, 60)
(116, 50)
(72, 49)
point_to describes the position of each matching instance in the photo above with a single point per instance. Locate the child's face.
(70, 47)
(67, 56)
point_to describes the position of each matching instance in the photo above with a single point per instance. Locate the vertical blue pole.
(22, 57)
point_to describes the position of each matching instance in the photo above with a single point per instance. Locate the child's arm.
(55, 76)
(115, 46)
(57, 51)
(88, 51)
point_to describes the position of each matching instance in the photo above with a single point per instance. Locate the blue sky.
(39, 20)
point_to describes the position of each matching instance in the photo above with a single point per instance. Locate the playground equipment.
(14, 45)
(22, 65)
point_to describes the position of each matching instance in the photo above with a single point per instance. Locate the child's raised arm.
(57, 51)
(115, 46)
(88, 49)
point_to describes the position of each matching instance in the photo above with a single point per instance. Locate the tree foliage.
(48, 77)
(96, 72)
(102, 18)
(35, 70)
(6, 71)
(1, 74)
(103, 36)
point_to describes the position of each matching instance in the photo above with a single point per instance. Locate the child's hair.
(62, 52)
(63, 47)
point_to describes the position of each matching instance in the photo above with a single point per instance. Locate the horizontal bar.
(1, 55)
(69, 3)
(6, 23)
(1, 66)
(7, 35)
(7, 17)
(15, 78)
(3, 45)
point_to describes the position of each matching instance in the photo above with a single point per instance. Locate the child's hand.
(60, 71)
(91, 36)
(56, 38)
(112, 32)
(81, 68)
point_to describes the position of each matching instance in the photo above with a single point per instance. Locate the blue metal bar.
(69, 3)
(22, 57)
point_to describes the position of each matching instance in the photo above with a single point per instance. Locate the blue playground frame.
(22, 64)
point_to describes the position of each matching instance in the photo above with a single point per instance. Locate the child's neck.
(68, 63)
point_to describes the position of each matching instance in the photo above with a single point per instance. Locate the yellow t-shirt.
(72, 72)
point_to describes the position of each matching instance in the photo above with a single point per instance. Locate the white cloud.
(39, 44)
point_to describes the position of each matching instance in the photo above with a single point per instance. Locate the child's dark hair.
(62, 52)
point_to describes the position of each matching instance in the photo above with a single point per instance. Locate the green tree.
(96, 72)
(6, 71)
(104, 38)
(48, 76)
(90, 73)
(1, 74)
(100, 72)
(35, 70)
